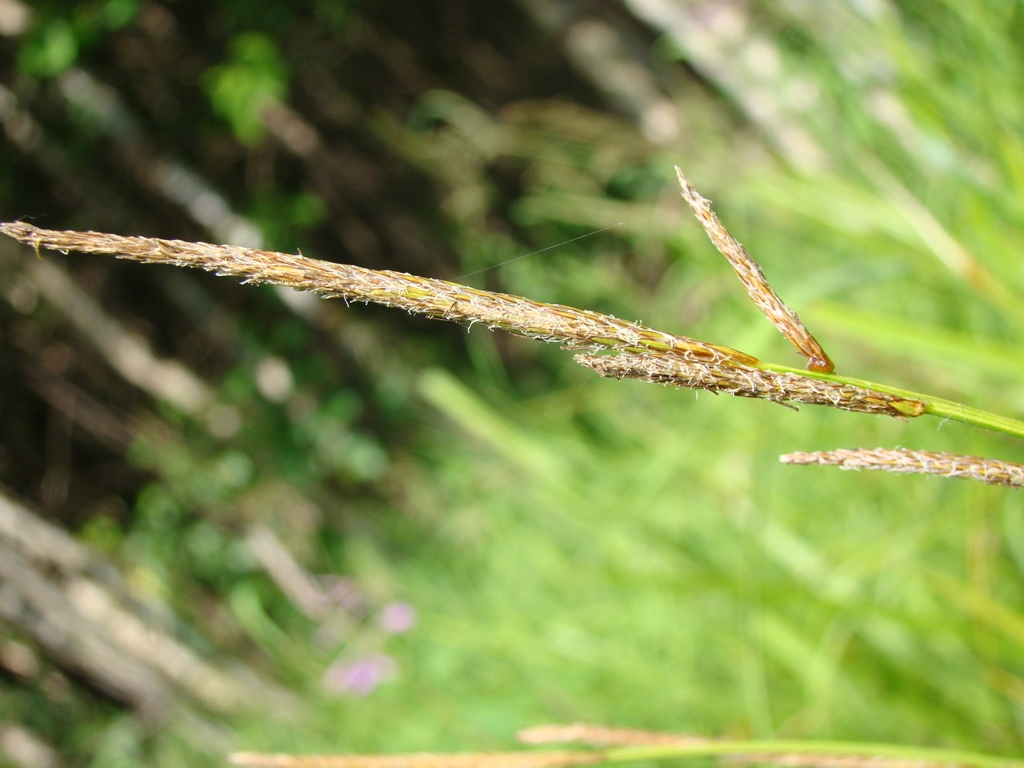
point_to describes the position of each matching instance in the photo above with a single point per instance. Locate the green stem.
(936, 406)
(830, 748)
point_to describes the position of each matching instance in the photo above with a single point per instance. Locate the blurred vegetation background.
(237, 518)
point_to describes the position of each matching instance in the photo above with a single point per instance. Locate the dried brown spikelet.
(575, 328)
(784, 388)
(902, 461)
(749, 273)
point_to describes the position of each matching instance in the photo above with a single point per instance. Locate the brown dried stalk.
(902, 461)
(742, 381)
(575, 328)
(555, 759)
(749, 273)
(594, 735)
(604, 736)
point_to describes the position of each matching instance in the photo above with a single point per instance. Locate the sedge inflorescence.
(630, 350)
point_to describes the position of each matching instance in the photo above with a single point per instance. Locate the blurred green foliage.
(252, 76)
(60, 31)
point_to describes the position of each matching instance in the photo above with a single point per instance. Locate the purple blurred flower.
(396, 618)
(358, 676)
(344, 593)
